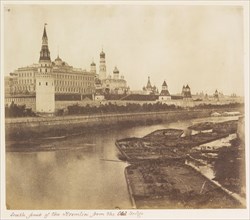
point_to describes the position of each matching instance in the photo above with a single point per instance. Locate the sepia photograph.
(135, 107)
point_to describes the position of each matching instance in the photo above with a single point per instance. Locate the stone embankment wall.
(23, 128)
(64, 125)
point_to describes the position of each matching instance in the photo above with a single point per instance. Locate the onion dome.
(116, 71)
(102, 54)
(58, 58)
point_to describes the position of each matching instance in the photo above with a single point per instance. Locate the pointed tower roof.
(164, 93)
(44, 32)
(149, 83)
(187, 86)
(44, 53)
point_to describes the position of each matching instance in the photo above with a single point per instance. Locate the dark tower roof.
(187, 86)
(92, 64)
(44, 32)
(116, 70)
(164, 83)
(164, 93)
(44, 53)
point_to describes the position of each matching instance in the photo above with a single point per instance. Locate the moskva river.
(77, 172)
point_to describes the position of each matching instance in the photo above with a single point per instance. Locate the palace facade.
(67, 79)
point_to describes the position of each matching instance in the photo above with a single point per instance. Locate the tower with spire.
(216, 95)
(93, 68)
(102, 70)
(149, 84)
(45, 86)
(186, 92)
(164, 95)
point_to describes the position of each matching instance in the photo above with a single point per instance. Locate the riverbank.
(43, 127)
(159, 177)
(55, 172)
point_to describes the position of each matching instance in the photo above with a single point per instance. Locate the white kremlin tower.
(45, 87)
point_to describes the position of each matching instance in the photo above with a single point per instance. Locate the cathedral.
(149, 89)
(111, 84)
(50, 80)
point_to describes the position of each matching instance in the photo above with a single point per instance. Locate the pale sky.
(198, 45)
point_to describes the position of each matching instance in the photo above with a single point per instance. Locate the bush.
(113, 108)
(59, 112)
(15, 110)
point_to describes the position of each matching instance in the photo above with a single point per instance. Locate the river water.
(79, 172)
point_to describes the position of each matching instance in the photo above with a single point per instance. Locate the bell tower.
(116, 73)
(45, 86)
(102, 71)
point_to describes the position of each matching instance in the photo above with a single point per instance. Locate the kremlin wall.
(50, 86)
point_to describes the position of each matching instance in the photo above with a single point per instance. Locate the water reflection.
(71, 173)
